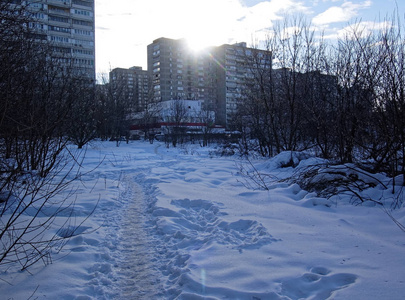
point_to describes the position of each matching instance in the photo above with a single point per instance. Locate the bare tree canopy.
(38, 91)
(344, 100)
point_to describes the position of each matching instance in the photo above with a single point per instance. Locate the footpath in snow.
(181, 223)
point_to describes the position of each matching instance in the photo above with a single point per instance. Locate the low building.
(186, 116)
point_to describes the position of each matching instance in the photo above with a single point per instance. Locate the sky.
(124, 28)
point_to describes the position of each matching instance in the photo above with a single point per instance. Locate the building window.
(36, 5)
(82, 3)
(82, 12)
(83, 32)
(87, 62)
(59, 29)
(83, 42)
(59, 39)
(61, 50)
(83, 52)
(39, 16)
(58, 19)
(36, 26)
(83, 23)
(63, 1)
(58, 9)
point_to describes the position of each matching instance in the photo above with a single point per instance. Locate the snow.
(182, 223)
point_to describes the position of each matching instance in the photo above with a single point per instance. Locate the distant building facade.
(216, 76)
(69, 26)
(133, 85)
(235, 66)
(176, 71)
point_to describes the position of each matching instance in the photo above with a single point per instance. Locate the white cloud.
(347, 11)
(363, 28)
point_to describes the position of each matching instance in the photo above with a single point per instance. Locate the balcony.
(63, 3)
(58, 10)
(83, 4)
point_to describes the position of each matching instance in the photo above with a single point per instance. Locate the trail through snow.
(136, 273)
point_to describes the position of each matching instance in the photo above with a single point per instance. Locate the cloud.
(256, 20)
(363, 28)
(343, 13)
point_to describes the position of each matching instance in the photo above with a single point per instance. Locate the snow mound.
(287, 159)
(316, 284)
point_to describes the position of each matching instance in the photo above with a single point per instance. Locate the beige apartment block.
(69, 25)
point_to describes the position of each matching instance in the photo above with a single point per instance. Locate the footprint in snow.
(200, 221)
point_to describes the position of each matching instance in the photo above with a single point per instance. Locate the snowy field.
(183, 224)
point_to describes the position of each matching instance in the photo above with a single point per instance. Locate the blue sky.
(124, 28)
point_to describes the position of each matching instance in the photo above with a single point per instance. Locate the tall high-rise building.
(69, 26)
(236, 65)
(177, 72)
(217, 75)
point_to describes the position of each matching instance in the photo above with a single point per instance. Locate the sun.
(197, 44)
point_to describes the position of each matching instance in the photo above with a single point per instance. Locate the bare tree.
(35, 108)
(369, 66)
(393, 85)
(114, 109)
(281, 93)
(207, 119)
(256, 114)
(176, 116)
(350, 67)
(83, 124)
(150, 115)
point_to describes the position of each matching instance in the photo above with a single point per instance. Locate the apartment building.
(133, 85)
(69, 25)
(176, 71)
(217, 76)
(234, 67)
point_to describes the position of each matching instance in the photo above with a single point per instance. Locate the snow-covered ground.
(181, 223)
